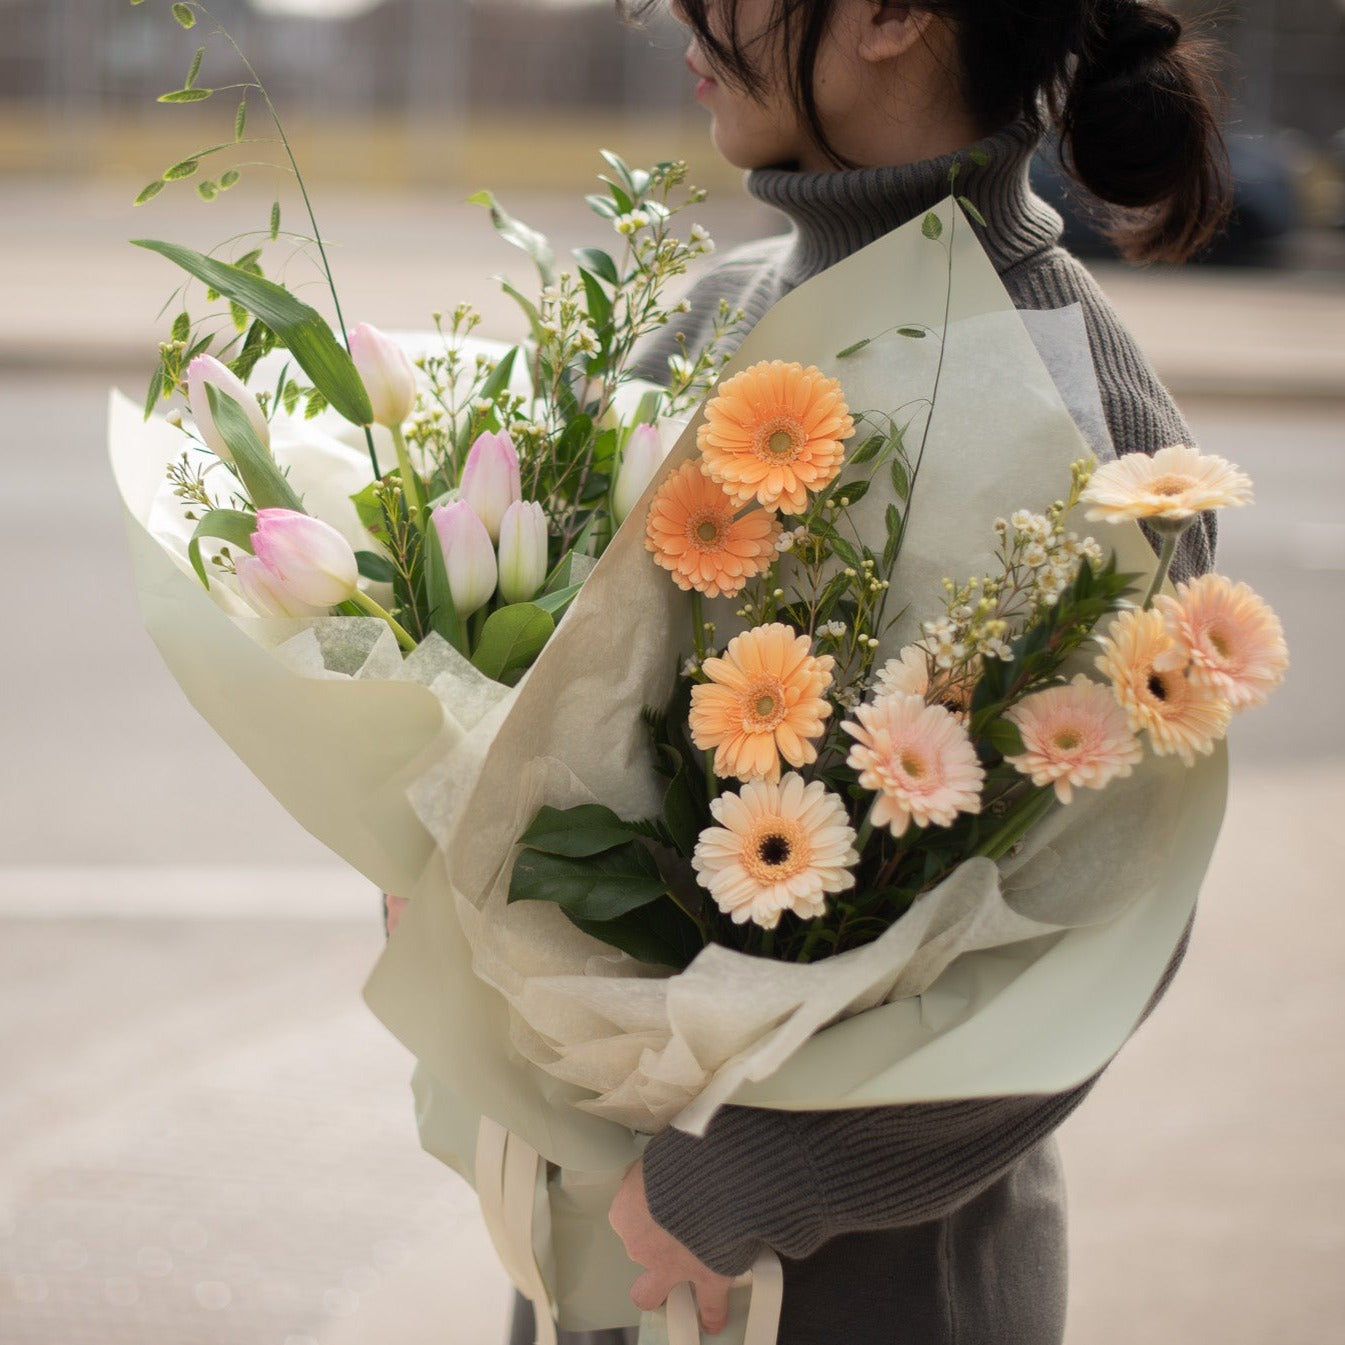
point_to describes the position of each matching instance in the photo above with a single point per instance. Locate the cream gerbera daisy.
(764, 701)
(692, 531)
(1234, 640)
(773, 433)
(905, 675)
(1147, 669)
(779, 847)
(1075, 736)
(919, 761)
(1174, 484)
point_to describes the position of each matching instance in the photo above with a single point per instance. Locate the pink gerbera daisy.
(919, 761)
(780, 847)
(1235, 642)
(1074, 736)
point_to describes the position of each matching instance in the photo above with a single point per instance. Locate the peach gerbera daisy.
(919, 761)
(1174, 484)
(1235, 642)
(775, 432)
(693, 532)
(1075, 736)
(780, 847)
(764, 701)
(905, 675)
(1147, 670)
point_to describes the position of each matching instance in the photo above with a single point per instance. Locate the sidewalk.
(205, 1137)
(399, 257)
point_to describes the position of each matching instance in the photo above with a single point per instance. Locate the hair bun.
(1128, 37)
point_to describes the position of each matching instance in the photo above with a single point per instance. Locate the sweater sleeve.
(792, 1181)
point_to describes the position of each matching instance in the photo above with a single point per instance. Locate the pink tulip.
(387, 373)
(643, 457)
(264, 594)
(207, 370)
(306, 560)
(523, 551)
(469, 556)
(490, 479)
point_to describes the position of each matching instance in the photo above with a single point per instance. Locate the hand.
(395, 907)
(666, 1261)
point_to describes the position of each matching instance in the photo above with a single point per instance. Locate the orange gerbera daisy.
(764, 701)
(693, 532)
(1147, 668)
(1235, 642)
(774, 433)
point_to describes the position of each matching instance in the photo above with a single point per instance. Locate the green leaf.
(679, 807)
(851, 492)
(529, 310)
(195, 68)
(184, 15)
(597, 301)
(228, 178)
(900, 481)
(932, 226)
(554, 604)
(589, 829)
(914, 333)
(1004, 737)
(895, 526)
(240, 120)
(274, 226)
(185, 96)
(972, 211)
(600, 263)
(154, 392)
(207, 191)
(300, 328)
(596, 888)
(511, 638)
(854, 349)
(499, 377)
(978, 156)
(373, 566)
(228, 525)
(603, 205)
(619, 166)
(150, 191)
(520, 235)
(868, 450)
(182, 327)
(659, 934)
(184, 168)
(848, 555)
(266, 487)
(443, 615)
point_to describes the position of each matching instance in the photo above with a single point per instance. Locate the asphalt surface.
(204, 1138)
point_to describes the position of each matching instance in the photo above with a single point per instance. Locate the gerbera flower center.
(1218, 642)
(777, 851)
(1068, 739)
(766, 702)
(912, 764)
(1156, 687)
(1170, 485)
(706, 531)
(780, 439)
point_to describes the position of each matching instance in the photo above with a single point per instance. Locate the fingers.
(712, 1298)
(650, 1291)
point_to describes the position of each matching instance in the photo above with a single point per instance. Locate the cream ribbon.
(507, 1172)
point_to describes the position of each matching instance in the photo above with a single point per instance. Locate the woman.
(941, 1222)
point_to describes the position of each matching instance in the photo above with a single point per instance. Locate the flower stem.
(415, 498)
(1170, 540)
(363, 601)
(1019, 821)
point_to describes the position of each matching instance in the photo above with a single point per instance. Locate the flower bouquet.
(762, 827)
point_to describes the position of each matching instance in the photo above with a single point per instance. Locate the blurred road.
(204, 1138)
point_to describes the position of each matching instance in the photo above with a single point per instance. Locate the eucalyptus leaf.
(520, 235)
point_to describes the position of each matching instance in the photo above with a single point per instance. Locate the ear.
(891, 29)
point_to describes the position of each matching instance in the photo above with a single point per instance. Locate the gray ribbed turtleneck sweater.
(937, 1222)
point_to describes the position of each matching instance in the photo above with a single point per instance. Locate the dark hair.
(1131, 94)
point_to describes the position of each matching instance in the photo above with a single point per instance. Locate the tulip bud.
(523, 551)
(306, 559)
(469, 556)
(387, 373)
(263, 593)
(643, 457)
(206, 369)
(490, 479)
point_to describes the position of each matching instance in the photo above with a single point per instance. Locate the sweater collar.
(837, 213)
